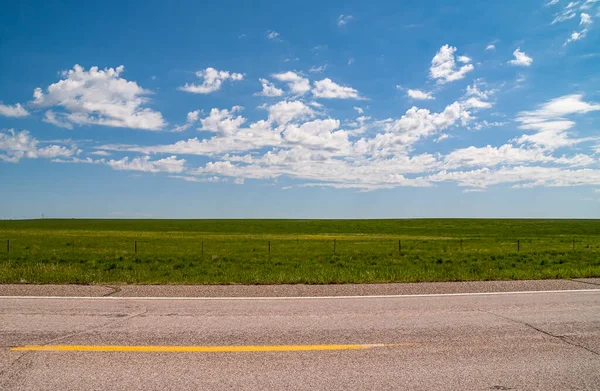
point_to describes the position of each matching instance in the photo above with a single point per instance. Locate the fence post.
(518, 244)
(269, 246)
(461, 244)
(333, 246)
(135, 245)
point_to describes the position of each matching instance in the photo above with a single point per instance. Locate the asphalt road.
(499, 341)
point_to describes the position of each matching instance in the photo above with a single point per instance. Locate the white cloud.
(419, 95)
(550, 123)
(520, 176)
(286, 111)
(442, 137)
(318, 69)
(490, 47)
(269, 89)
(443, 66)
(212, 80)
(551, 2)
(60, 121)
(359, 110)
(485, 124)
(170, 164)
(576, 36)
(191, 119)
(588, 4)
(13, 111)
(319, 135)
(585, 19)
(223, 122)
(344, 19)
(401, 134)
(475, 90)
(464, 59)
(15, 146)
(491, 156)
(98, 97)
(100, 153)
(351, 61)
(77, 160)
(297, 84)
(476, 103)
(521, 59)
(476, 97)
(273, 35)
(327, 89)
(568, 13)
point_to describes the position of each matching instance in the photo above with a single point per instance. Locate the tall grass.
(301, 251)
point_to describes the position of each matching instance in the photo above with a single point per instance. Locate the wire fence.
(282, 247)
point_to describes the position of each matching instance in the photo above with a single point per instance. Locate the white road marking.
(298, 297)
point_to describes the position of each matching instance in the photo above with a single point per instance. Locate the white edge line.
(298, 297)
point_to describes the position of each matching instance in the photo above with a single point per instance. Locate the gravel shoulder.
(295, 290)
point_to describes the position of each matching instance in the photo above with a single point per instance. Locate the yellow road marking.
(198, 349)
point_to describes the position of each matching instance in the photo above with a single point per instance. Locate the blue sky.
(337, 109)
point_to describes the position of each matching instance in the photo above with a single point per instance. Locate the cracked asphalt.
(515, 341)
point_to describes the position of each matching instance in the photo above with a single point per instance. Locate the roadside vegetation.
(295, 251)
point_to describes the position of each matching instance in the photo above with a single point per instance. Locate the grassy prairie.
(301, 251)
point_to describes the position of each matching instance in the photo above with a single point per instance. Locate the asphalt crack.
(587, 282)
(559, 337)
(115, 290)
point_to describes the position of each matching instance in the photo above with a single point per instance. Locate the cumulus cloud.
(223, 122)
(476, 103)
(318, 135)
(585, 19)
(212, 81)
(520, 177)
(297, 84)
(286, 111)
(550, 121)
(400, 135)
(191, 119)
(13, 111)
(327, 89)
(269, 89)
(170, 164)
(443, 66)
(15, 146)
(489, 156)
(521, 59)
(98, 97)
(419, 95)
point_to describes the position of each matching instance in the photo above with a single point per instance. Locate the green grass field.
(301, 251)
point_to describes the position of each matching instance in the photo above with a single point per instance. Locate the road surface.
(494, 341)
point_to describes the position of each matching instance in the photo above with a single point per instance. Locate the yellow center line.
(199, 349)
